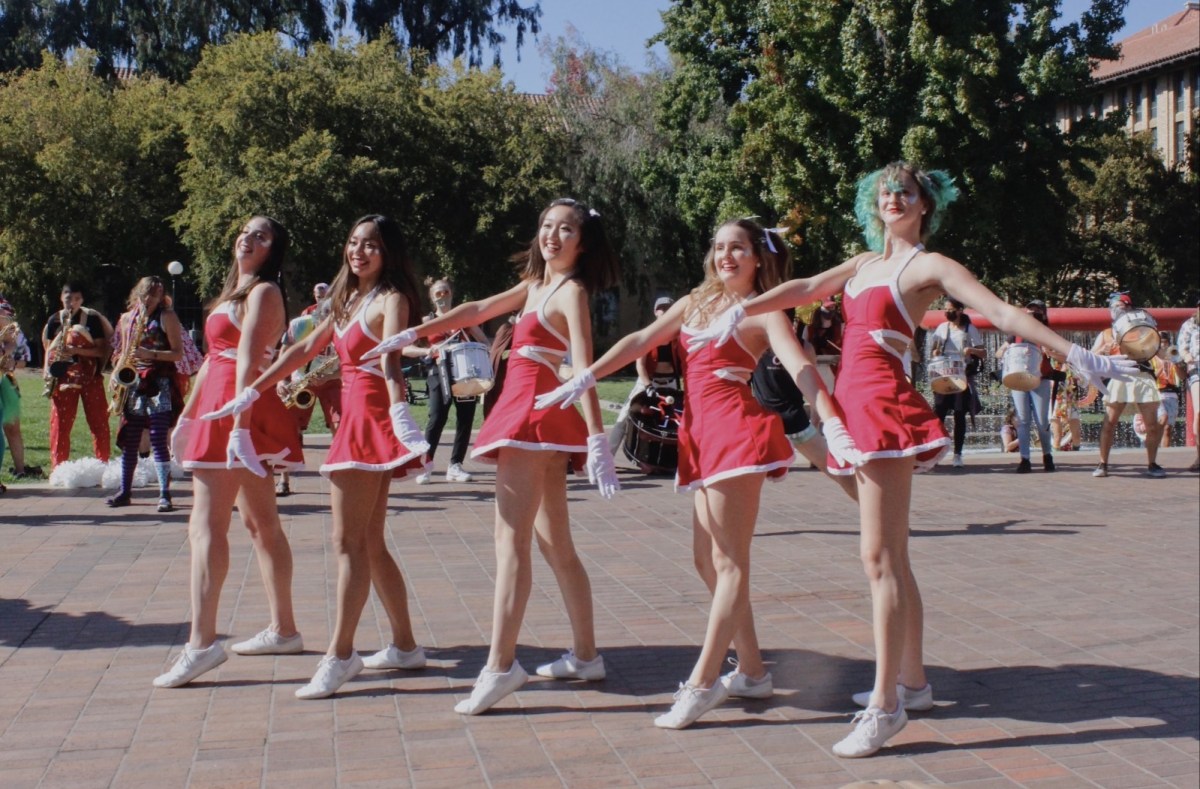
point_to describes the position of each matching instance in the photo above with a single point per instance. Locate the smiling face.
(559, 237)
(364, 252)
(899, 202)
(734, 260)
(253, 245)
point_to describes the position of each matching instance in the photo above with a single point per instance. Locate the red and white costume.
(884, 414)
(513, 421)
(725, 432)
(272, 428)
(365, 439)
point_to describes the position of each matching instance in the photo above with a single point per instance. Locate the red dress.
(725, 432)
(364, 438)
(885, 415)
(513, 421)
(272, 428)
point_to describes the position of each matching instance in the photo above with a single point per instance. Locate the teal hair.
(937, 190)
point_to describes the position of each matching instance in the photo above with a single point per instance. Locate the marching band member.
(227, 456)
(374, 295)
(149, 342)
(728, 445)
(568, 260)
(76, 340)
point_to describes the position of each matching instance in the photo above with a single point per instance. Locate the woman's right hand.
(180, 436)
(237, 405)
(393, 343)
(241, 448)
(567, 393)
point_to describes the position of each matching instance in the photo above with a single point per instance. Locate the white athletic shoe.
(426, 475)
(690, 703)
(570, 667)
(268, 642)
(491, 687)
(456, 474)
(872, 728)
(331, 675)
(917, 700)
(190, 664)
(394, 657)
(741, 686)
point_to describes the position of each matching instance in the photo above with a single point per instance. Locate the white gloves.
(237, 405)
(601, 468)
(568, 392)
(241, 447)
(180, 436)
(405, 428)
(719, 330)
(1096, 368)
(840, 444)
(393, 343)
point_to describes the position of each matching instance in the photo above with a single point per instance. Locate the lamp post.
(174, 268)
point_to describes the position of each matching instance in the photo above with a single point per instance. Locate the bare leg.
(260, 515)
(355, 497)
(1194, 393)
(208, 535)
(885, 490)
(745, 637)
(386, 577)
(1076, 432)
(815, 451)
(731, 511)
(16, 444)
(1108, 428)
(1149, 412)
(553, 528)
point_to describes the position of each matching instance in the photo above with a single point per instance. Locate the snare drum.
(947, 374)
(470, 366)
(1137, 334)
(1022, 367)
(652, 430)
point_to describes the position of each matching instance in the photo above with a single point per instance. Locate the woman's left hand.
(237, 405)
(241, 448)
(601, 468)
(567, 393)
(840, 444)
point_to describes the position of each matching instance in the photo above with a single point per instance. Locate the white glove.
(601, 468)
(393, 343)
(840, 444)
(241, 447)
(1096, 368)
(180, 436)
(568, 392)
(237, 405)
(405, 428)
(719, 330)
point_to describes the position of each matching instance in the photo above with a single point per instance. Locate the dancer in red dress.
(568, 260)
(374, 294)
(898, 207)
(728, 445)
(226, 456)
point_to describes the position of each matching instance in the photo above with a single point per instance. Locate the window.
(1180, 143)
(1196, 90)
(1180, 99)
(1152, 98)
(1098, 106)
(1137, 103)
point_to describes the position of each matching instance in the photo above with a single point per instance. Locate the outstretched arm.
(796, 292)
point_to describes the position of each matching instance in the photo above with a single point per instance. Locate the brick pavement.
(1061, 616)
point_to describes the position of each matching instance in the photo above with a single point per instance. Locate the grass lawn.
(35, 422)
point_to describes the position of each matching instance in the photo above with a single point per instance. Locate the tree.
(458, 27)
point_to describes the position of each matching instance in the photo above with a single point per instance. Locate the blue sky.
(622, 27)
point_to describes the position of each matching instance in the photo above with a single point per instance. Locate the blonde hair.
(775, 268)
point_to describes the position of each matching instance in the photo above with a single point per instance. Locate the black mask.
(952, 316)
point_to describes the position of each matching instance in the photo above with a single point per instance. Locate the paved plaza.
(1061, 620)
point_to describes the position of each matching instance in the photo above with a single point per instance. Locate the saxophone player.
(14, 354)
(149, 343)
(77, 338)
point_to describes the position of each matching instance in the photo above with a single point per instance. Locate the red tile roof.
(1174, 38)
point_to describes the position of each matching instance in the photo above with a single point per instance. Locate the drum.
(1022, 367)
(947, 374)
(470, 368)
(1137, 334)
(652, 430)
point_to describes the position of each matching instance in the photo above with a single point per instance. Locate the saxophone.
(55, 356)
(299, 393)
(8, 337)
(125, 375)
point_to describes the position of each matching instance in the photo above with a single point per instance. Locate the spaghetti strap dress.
(532, 371)
(884, 413)
(272, 428)
(724, 431)
(365, 439)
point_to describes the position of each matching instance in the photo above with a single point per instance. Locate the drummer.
(958, 336)
(440, 397)
(1141, 391)
(661, 368)
(1034, 405)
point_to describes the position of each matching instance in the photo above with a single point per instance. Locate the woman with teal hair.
(885, 293)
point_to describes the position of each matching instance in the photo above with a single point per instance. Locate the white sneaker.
(741, 686)
(872, 728)
(394, 657)
(570, 667)
(331, 675)
(958, 461)
(426, 476)
(456, 474)
(190, 664)
(268, 642)
(914, 700)
(690, 703)
(491, 687)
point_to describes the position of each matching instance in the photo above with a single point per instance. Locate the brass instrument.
(1172, 353)
(8, 342)
(125, 375)
(55, 358)
(299, 393)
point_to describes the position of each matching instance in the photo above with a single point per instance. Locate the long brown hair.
(775, 268)
(270, 271)
(396, 275)
(144, 287)
(597, 266)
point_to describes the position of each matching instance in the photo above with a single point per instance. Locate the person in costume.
(76, 342)
(374, 295)
(568, 261)
(898, 207)
(149, 401)
(229, 457)
(729, 444)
